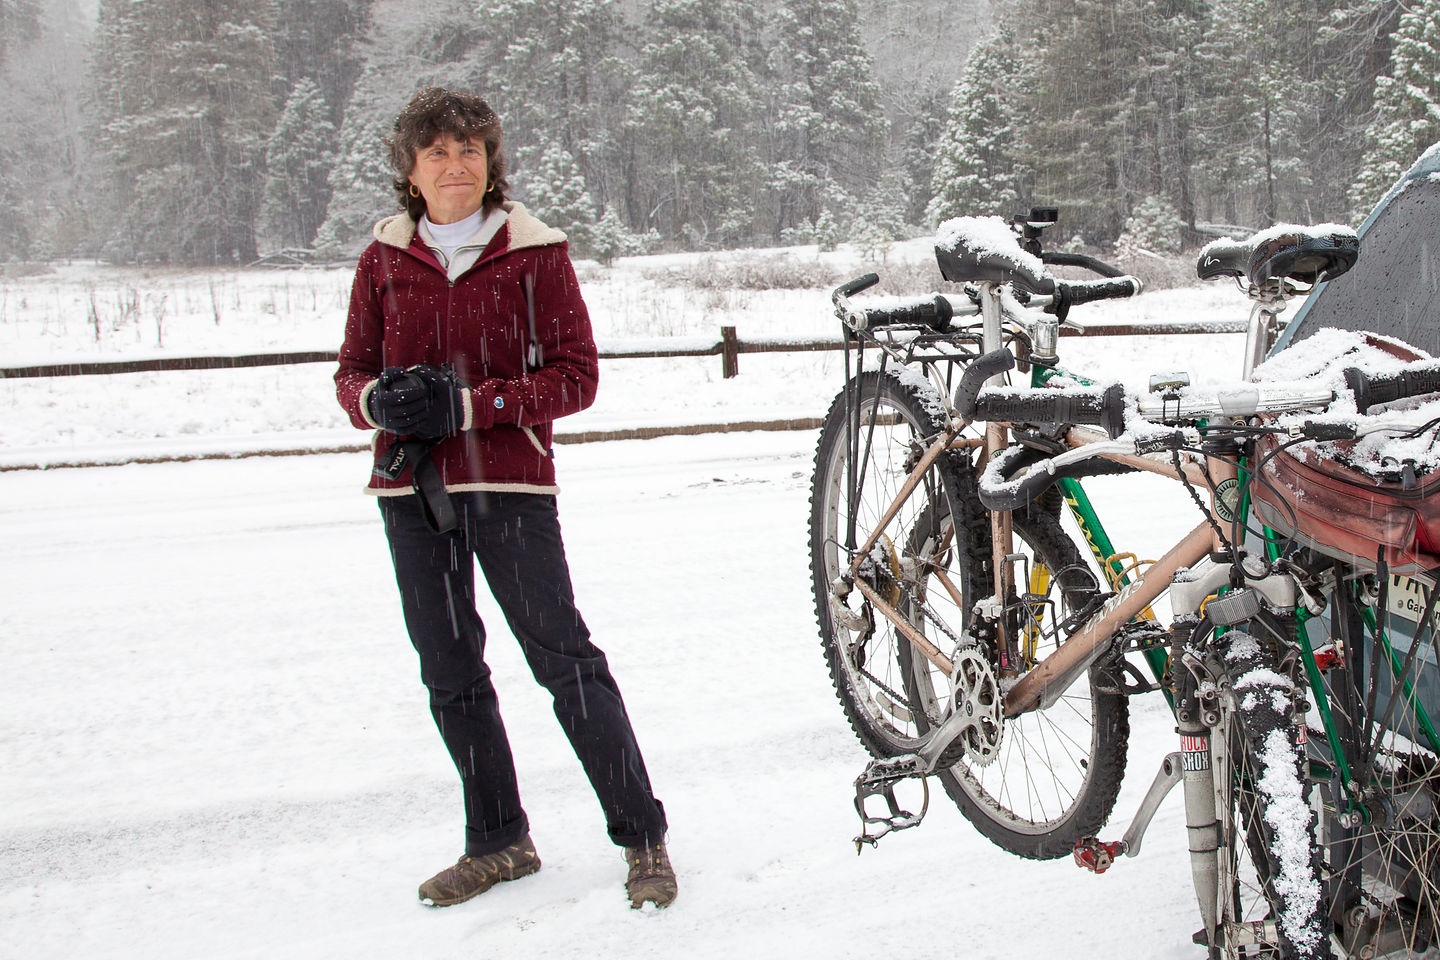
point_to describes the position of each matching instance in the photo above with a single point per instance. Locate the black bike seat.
(1223, 258)
(1285, 252)
(984, 250)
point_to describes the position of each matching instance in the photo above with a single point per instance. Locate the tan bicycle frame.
(1077, 653)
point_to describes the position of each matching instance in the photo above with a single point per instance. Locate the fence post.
(730, 352)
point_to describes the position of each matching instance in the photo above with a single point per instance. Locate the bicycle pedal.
(1097, 855)
(889, 770)
(879, 780)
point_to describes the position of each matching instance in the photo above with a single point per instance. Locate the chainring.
(975, 693)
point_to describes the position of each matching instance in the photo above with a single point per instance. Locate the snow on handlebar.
(1136, 426)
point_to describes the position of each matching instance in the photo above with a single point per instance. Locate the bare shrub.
(751, 271)
(17, 269)
(913, 279)
(1159, 272)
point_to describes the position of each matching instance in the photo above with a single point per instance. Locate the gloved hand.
(445, 410)
(398, 401)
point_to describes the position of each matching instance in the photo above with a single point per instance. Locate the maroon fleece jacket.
(404, 311)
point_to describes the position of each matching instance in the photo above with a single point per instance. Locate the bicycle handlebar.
(1103, 408)
(1093, 407)
(1058, 259)
(1073, 293)
(933, 312)
(1414, 381)
(976, 373)
(1000, 491)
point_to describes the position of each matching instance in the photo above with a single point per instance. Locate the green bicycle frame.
(1106, 557)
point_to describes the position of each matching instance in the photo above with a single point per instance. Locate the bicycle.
(970, 638)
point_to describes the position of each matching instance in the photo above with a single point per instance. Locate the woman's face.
(450, 175)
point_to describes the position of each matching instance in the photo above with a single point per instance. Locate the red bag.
(1321, 501)
(1342, 512)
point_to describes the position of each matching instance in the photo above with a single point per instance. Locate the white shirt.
(458, 245)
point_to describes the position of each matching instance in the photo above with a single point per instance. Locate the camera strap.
(535, 352)
(425, 479)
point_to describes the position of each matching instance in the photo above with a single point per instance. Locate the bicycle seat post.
(1265, 324)
(991, 315)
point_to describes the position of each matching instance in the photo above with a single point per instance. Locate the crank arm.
(1171, 771)
(1097, 855)
(939, 739)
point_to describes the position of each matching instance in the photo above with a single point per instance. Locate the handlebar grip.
(1000, 491)
(933, 312)
(1102, 408)
(853, 287)
(980, 369)
(1413, 381)
(1088, 291)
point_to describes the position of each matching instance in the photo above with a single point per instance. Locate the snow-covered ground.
(213, 736)
(215, 742)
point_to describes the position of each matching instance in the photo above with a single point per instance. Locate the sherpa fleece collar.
(525, 230)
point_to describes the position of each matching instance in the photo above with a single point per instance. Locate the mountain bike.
(972, 638)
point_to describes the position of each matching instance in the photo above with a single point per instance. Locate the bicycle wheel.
(1388, 869)
(1058, 770)
(1384, 870)
(872, 436)
(1273, 900)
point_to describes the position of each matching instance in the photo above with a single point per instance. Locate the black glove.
(398, 401)
(445, 409)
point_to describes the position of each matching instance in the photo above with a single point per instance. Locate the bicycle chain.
(958, 749)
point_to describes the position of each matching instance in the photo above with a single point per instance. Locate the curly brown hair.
(435, 112)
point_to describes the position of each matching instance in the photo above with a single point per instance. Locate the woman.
(466, 338)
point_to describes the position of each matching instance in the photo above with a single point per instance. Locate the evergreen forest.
(202, 132)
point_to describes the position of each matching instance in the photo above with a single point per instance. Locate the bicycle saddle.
(985, 250)
(1284, 252)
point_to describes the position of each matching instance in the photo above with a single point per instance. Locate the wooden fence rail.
(728, 348)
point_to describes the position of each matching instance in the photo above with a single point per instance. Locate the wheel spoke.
(1056, 772)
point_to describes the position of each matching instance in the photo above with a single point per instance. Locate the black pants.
(516, 539)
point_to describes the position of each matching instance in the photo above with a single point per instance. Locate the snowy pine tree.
(691, 123)
(430, 49)
(19, 25)
(320, 40)
(558, 196)
(1152, 228)
(1407, 107)
(41, 69)
(825, 130)
(297, 165)
(186, 106)
(977, 172)
(359, 181)
(1282, 136)
(611, 238)
(927, 122)
(554, 70)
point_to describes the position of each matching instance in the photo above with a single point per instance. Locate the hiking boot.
(651, 878)
(472, 876)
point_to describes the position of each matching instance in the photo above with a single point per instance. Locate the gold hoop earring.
(414, 190)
